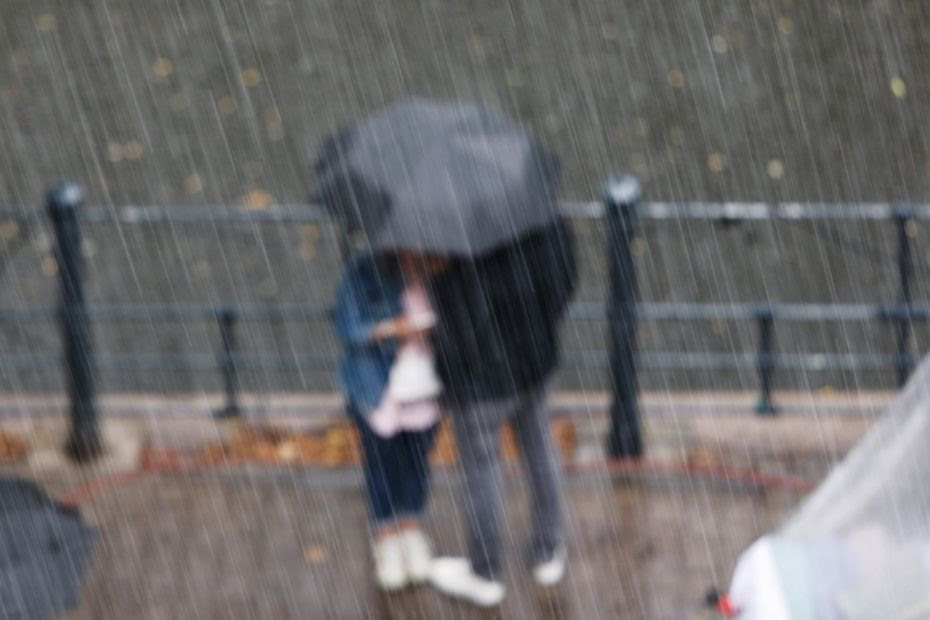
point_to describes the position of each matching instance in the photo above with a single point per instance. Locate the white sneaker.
(390, 569)
(417, 555)
(453, 576)
(550, 572)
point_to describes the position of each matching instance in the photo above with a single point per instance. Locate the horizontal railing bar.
(28, 315)
(207, 312)
(583, 210)
(209, 361)
(756, 211)
(781, 312)
(578, 311)
(16, 215)
(131, 214)
(797, 361)
(30, 361)
(780, 211)
(656, 360)
(784, 312)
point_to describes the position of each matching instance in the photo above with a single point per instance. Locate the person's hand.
(402, 327)
(399, 328)
(386, 330)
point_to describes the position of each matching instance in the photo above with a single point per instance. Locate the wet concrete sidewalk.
(284, 543)
(291, 542)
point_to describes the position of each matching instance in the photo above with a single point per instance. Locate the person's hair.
(389, 262)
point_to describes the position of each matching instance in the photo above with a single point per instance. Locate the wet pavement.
(281, 541)
(291, 543)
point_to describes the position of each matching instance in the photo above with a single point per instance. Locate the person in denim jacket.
(371, 320)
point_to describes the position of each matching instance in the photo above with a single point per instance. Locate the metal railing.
(620, 207)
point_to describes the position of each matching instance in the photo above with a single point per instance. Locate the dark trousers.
(396, 471)
(478, 435)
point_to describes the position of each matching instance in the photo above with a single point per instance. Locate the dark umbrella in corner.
(456, 179)
(44, 550)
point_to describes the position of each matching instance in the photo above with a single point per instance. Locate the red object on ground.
(685, 468)
(163, 461)
(726, 607)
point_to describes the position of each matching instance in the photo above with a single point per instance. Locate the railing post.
(63, 202)
(766, 363)
(904, 297)
(620, 198)
(227, 321)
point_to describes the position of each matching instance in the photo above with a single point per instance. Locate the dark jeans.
(396, 471)
(478, 435)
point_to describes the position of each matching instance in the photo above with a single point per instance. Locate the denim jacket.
(368, 294)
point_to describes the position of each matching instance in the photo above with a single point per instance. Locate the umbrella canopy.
(859, 546)
(44, 549)
(438, 178)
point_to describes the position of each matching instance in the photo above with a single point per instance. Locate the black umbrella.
(438, 177)
(44, 550)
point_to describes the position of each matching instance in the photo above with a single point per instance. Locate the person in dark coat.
(497, 344)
